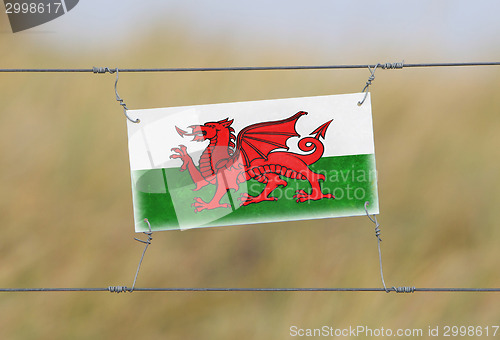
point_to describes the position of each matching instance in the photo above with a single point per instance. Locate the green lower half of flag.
(165, 197)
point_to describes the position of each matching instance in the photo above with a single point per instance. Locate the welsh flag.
(252, 162)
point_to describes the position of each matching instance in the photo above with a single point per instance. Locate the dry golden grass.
(66, 211)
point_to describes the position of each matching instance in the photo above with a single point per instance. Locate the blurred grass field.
(66, 207)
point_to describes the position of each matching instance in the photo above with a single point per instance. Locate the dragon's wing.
(258, 140)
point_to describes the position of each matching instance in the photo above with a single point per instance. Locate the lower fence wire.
(119, 289)
(123, 289)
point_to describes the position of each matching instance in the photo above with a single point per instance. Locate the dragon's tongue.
(181, 132)
(197, 133)
(198, 138)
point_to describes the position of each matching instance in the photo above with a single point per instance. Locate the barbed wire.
(398, 65)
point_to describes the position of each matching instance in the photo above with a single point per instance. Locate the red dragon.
(258, 152)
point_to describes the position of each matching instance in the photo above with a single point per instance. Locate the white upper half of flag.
(350, 133)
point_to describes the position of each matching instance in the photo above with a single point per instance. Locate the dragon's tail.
(314, 144)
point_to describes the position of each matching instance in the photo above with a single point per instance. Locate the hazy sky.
(437, 29)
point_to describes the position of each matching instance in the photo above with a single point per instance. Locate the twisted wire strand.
(118, 99)
(404, 289)
(123, 289)
(104, 70)
(379, 239)
(117, 289)
(386, 66)
(393, 66)
(369, 82)
(147, 242)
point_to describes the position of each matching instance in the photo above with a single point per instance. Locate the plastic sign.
(252, 162)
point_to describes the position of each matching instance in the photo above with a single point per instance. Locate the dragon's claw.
(200, 205)
(246, 199)
(302, 196)
(181, 153)
(244, 196)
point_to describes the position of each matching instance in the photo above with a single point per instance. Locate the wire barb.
(385, 66)
(393, 66)
(102, 70)
(118, 289)
(404, 289)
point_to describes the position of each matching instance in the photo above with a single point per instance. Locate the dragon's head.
(206, 131)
